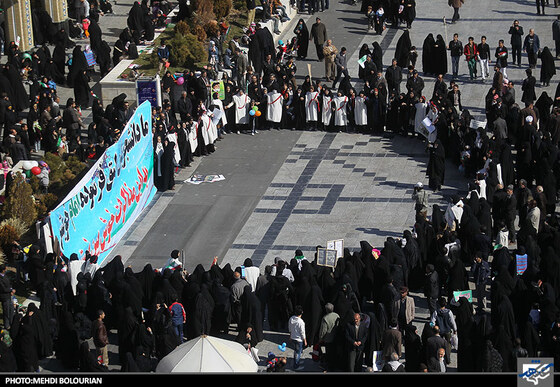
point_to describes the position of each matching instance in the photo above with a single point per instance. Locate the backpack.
(442, 321)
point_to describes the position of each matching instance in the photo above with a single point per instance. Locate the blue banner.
(100, 209)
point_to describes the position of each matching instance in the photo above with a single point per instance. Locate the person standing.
(481, 274)
(296, 326)
(319, 36)
(406, 307)
(420, 196)
(431, 287)
(516, 32)
(511, 213)
(531, 45)
(251, 10)
(393, 76)
(178, 319)
(330, 52)
(100, 338)
(6, 293)
(456, 50)
(456, 4)
(163, 55)
(484, 57)
(445, 320)
(327, 334)
(471, 55)
(392, 340)
(501, 58)
(356, 336)
(556, 35)
(302, 39)
(540, 4)
(341, 66)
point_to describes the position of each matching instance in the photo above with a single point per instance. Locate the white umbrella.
(208, 354)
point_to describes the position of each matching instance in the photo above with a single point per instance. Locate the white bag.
(454, 341)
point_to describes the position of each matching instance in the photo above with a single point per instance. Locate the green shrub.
(222, 8)
(19, 202)
(182, 28)
(186, 51)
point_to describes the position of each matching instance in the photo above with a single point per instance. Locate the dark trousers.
(532, 58)
(511, 229)
(355, 360)
(330, 356)
(456, 15)
(516, 54)
(540, 4)
(432, 305)
(319, 48)
(313, 6)
(557, 46)
(339, 73)
(8, 312)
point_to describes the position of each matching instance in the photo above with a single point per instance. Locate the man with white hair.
(420, 196)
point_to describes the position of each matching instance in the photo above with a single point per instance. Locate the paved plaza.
(287, 190)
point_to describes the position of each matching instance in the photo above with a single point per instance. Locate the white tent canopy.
(208, 354)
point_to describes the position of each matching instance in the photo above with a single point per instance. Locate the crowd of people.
(501, 235)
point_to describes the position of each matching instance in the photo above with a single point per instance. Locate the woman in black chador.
(427, 55)
(302, 34)
(436, 166)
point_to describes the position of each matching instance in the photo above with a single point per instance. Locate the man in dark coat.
(393, 76)
(516, 32)
(431, 287)
(355, 337)
(6, 293)
(319, 35)
(435, 343)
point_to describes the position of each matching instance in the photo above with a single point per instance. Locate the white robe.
(241, 108)
(420, 115)
(193, 136)
(340, 118)
(172, 137)
(274, 106)
(74, 267)
(218, 103)
(360, 111)
(312, 106)
(208, 129)
(326, 113)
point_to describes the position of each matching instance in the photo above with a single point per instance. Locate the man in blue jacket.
(481, 275)
(178, 319)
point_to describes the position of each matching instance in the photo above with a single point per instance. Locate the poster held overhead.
(326, 257)
(337, 245)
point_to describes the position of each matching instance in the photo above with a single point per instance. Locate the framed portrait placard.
(326, 257)
(337, 245)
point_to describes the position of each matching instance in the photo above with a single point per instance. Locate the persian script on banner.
(100, 209)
